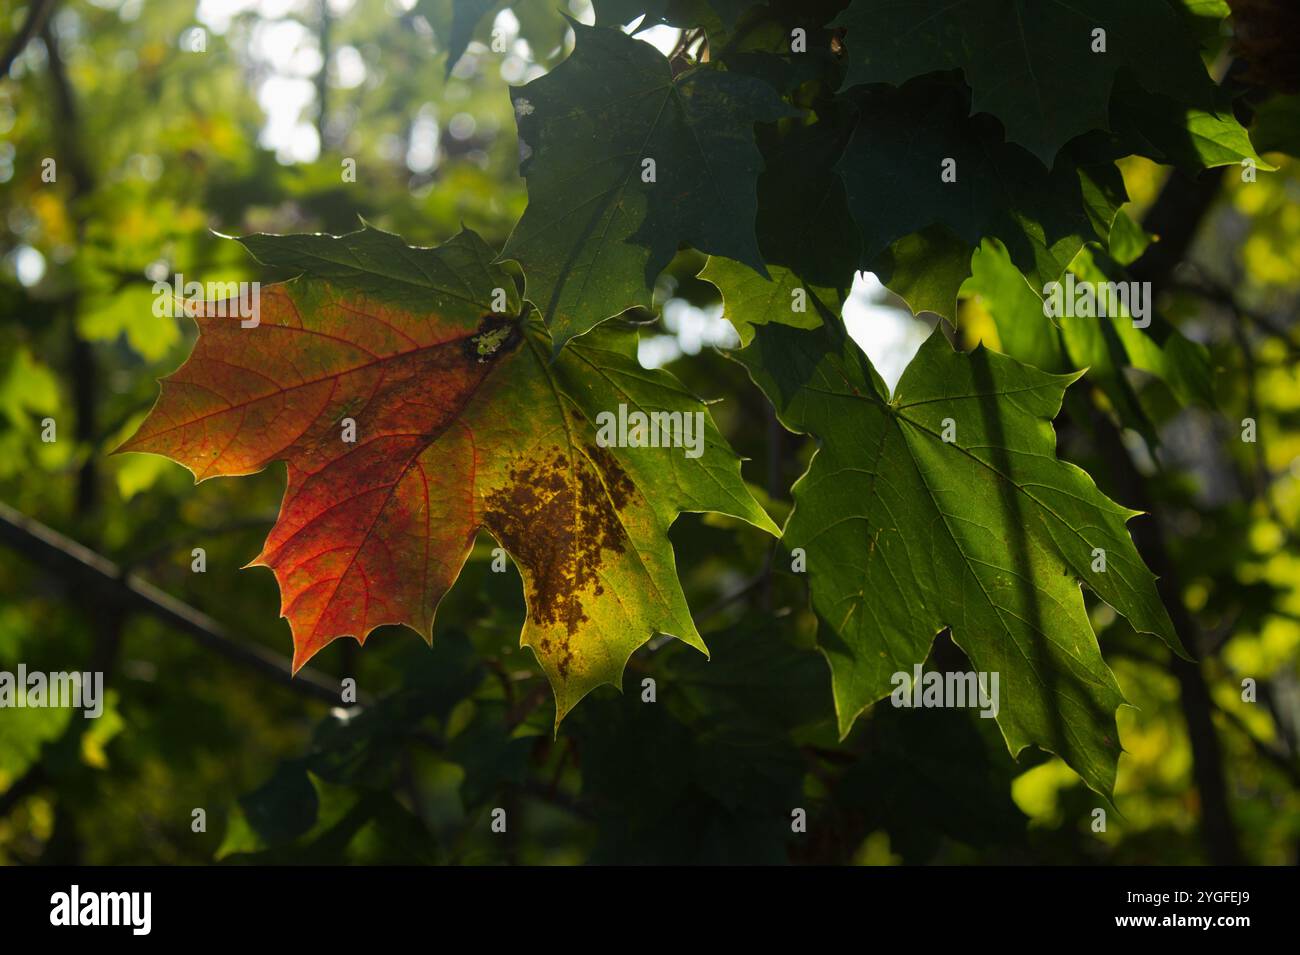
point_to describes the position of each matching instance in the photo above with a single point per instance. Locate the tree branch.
(95, 576)
(1176, 217)
(1274, 755)
(38, 11)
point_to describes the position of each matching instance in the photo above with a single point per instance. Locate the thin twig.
(1263, 476)
(1203, 286)
(168, 545)
(38, 11)
(1274, 755)
(96, 575)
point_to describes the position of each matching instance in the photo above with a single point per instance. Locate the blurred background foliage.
(174, 123)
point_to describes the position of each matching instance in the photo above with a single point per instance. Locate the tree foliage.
(499, 223)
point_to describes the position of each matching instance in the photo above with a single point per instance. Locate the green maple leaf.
(465, 18)
(1190, 137)
(808, 239)
(1024, 331)
(1030, 63)
(1127, 240)
(989, 534)
(754, 300)
(1105, 345)
(595, 234)
(457, 21)
(541, 23)
(463, 422)
(919, 231)
(926, 269)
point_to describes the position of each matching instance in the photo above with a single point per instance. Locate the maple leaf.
(921, 247)
(601, 223)
(456, 23)
(1035, 65)
(1193, 138)
(807, 236)
(462, 422)
(1107, 346)
(465, 17)
(943, 505)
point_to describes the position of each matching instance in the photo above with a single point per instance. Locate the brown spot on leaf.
(557, 516)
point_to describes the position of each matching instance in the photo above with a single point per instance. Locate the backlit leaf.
(1035, 65)
(907, 533)
(462, 423)
(625, 162)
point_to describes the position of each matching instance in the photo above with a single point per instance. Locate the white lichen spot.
(523, 107)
